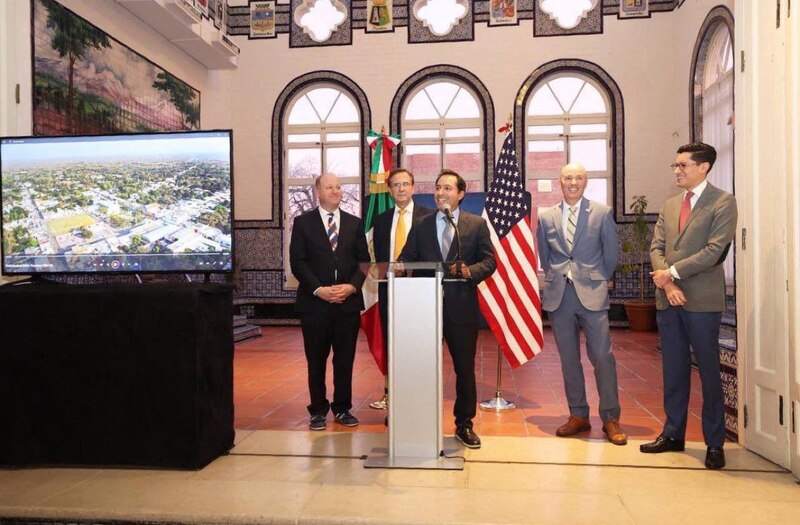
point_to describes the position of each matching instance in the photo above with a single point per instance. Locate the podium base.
(450, 459)
(498, 404)
(379, 458)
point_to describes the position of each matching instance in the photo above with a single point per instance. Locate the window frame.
(322, 129)
(452, 73)
(566, 122)
(718, 19)
(611, 89)
(442, 124)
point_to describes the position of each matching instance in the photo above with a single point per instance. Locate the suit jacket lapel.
(556, 216)
(461, 226)
(433, 237)
(701, 203)
(585, 208)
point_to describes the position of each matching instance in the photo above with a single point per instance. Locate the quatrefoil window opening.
(567, 13)
(440, 16)
(320, 18)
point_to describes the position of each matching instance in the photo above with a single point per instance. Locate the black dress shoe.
(468, 437)
(715, 458)
(663, 444)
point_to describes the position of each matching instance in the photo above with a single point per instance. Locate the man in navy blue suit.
(435, 239)
(326, 249)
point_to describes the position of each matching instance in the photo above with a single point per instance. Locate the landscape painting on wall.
(86, 82)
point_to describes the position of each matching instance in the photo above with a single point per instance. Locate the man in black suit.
(327, 246)
(389, 234)
(435, 240)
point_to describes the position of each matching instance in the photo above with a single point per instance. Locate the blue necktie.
(333, 233)
(447, 238)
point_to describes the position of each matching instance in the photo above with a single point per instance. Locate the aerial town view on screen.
(148, 205)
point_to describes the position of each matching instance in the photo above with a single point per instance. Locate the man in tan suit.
(691, 239)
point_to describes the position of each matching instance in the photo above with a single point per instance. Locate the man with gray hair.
(579, 251)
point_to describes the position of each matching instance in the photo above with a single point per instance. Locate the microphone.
(449, 215)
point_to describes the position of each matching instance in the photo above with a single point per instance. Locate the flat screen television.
(133, 203)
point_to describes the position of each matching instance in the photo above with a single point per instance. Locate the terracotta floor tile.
(270, 390)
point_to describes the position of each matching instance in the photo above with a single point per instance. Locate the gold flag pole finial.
(509, 125)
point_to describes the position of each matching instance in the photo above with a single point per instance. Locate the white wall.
(649, 59)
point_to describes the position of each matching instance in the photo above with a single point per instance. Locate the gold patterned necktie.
(399, 234)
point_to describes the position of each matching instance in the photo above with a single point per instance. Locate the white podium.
(415, 372)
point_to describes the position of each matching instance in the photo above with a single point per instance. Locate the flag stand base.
(497, 403)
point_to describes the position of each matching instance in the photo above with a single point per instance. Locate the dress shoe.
(468, 437)
(574, 425)
(346, 419)
(715, 458)
(614, 433)
(663, 444)
(317, 422)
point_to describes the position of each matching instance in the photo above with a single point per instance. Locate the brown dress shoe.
(574, 425)
(614, 432)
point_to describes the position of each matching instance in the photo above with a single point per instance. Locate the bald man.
(325, 251)
(579, 251)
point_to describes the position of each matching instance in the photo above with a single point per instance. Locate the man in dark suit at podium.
(436, 239)
(389, 235)
(326, 248)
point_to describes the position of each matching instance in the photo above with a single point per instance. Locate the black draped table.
(116, 375)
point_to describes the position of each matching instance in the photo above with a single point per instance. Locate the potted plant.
(641, 313)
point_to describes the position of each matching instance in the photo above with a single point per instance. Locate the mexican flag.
(379, 201)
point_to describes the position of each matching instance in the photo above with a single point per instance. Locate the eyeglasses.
(398, 185)
(682, 165)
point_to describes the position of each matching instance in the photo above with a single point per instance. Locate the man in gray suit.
(691, 239)
(579, 251)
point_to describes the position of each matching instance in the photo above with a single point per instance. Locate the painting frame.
(265, 16)
(634, 9)
(93, 83)
(503, 13)
(379, 16)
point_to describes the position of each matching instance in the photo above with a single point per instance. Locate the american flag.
(509, 299)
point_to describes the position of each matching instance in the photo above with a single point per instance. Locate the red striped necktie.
(686, 210)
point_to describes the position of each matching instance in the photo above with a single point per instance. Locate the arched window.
(712, 94)
(443, 128)
(568, 119)
(442, 113)
(322, 132)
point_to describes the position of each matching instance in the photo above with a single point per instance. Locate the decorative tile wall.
(239, 21)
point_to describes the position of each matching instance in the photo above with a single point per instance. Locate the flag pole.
(497, 403)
